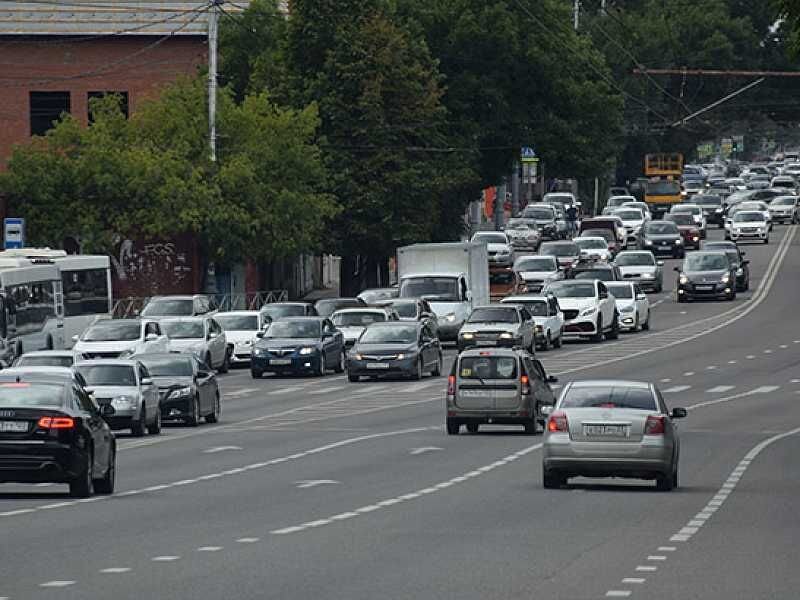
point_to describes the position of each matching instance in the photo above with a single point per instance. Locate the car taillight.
(525, 383)
(654, 425)
(451, 385)
(557, 422)
(56, 423)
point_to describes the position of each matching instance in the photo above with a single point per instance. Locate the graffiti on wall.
(143, 268)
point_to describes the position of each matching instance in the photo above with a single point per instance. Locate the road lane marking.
(248, 540)
(646, 569)
(241, 392)
(750, 357)
(719, 389)
(310, 483)
(667, 548)
(218, 449)
(115, 570)
(675, 389)
(665, 380)
(328, 390)
(634, 580)
(656, 557)
(688, 373)
(165, 558)
(424, 449)
(618, 593)
(57, 584)
(209, 548)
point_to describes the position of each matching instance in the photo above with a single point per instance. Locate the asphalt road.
(318, 488)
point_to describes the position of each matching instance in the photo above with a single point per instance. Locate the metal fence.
(125, 308)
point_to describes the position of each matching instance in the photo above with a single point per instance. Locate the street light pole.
(213, 34)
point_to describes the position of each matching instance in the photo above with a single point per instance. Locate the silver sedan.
(611, 428)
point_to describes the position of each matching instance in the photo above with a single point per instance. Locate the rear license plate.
(605, 430)
(13, 426)
(377, 366)
(280, 361)
(475, 393)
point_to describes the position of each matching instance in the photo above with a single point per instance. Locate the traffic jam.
(479, 313)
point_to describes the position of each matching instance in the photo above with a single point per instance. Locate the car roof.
(185, 318)
(595, 238)
(635, 252)
(611, 284)
(177, 297)
(558, 243)
(303, 319)
(367, 309)
(523, 299)
(746, 211)
(103, 322)
(397, 324)
(267, 305)
(489, 352)
(120, 362)
(54, 371)
(236, 313)
(69, 353)
(338, 299)
(606, 382)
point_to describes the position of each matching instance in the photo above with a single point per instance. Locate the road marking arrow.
(220, 449)
(309, 483)
(425, 449)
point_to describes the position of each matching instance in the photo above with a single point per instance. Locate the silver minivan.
(503, 386)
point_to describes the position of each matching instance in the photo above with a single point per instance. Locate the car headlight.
(626, 309)
(467, 335)
(247, 343)
(683, 279)
(450, 318)
(678, 242)
(648, 243)
(358, 356)
(506, 336)
(695, 239)
(307, 350)
(401, 356)
(259, 351)
(181, 392)
(123, 401)
(588, 311)
(719, 210)
(740, 271)
(647, 276)
(725, 278)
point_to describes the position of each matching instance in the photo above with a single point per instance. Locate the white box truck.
(452, 277)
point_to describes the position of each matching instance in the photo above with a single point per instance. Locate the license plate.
(487, 342)
(475, 393)
(606, 430)
(13, 426)
(705, 288)
(377, 366)
(280, 361)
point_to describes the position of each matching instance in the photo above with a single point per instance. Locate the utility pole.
(213, 31)
(576, 14)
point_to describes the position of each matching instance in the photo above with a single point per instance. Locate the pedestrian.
(572, 217)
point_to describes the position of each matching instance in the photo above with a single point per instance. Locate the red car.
(688, 229)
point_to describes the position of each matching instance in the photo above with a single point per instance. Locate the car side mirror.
(546, 409)
(74, 338)
(468, 295)
(744, 253)
(147, 381)
(552, 379)
(203, 374)
(676, 269)
(745, 262)
(660, 263)
(106, 410)
(150, 337)
(212, 335)
(261, 334)
(679, 413)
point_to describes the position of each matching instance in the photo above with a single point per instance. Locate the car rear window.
(488, 367)
(609, 396)
(31, 394)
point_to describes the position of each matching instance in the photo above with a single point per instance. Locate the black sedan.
(187, 389)
(662, 237)
(706, 275)
(737, 256)
(299, 345)
(395, 348)
(51, 431)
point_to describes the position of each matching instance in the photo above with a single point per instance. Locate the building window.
(46, 109)
(123, 101)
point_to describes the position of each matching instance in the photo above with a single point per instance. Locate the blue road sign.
(14, 232)
(528, 154)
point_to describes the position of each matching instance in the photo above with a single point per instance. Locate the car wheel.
(106, 484)
(473, 427)
(665, 483)
(417, 374)
(437, 370)
(559, 340)
(552, 481)
(226, 361)
(659, 288)
(353, 378)
(139, 428)
(339, 368)
(155, 427)
(194, 419)
(322, 367)
(255, 374)
(732, 296)
(548, 342)
(646, 324)
(766, 240)
(81, 486)
(214, 416)
(598, 337)
(614, 333)
(453, 427)
(531, 428)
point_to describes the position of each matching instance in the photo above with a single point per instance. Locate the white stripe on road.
(328, 390)
(675, 389)
(719, 389)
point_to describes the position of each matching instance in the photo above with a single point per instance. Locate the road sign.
(528, 155)
(14, 232)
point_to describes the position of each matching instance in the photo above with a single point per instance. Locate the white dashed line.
(665, 380)
(634, 580)
(688, 373)
(732, 362)
(209, 548)
(767, 351)
(719, 389)
(56, 584)
(646, 569)
(657, 557)
(248, 540)
(618, 593)
(783, 346)
(675, 389)
(711, 367)
(666, 548)
(750, 357)
(165, 558)
(114, 570)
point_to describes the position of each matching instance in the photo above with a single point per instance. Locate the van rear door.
(488, 381)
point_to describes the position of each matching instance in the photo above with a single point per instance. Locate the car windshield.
(591, 244)
(748, 217)
(540, 214)
(662, 228)
(638, 259)
(691, 210)
(621, 291)
(629, 215)
(681, 218)
(733, 257)
(395, 334)
(609, 396)
(31, 394)
(784, 201)
(294, 329)
(113, 331)
(543, 263)
(168, 307)
(663, 188)
(538, 308)
(238, 322)
(357, 319)
(751, 206)
(607, 234)
(325, 308)
(706, 262)
(122, 375)
(406, 310)
(438, 289)
(617, 201)
(281, 311)
(601, 274)
(44, 361)
(183, 330)
(708, 200)
(489, 238)
(370, 296)
(488, 367)
(169, 366)
(517, 224)
(572, 290)
(559, 249)
(494, 315)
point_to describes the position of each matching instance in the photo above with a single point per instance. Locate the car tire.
(552, 481)
(82, 486)
(256, 374)
(613, 334)
(646, 324)
(766, 240)
(559, 340)
(437, 370)
(226, 361)
(453, 427)
(322, 367)
(531, 428)
(139, 428)
(599, 337)
(106, 484)
(155, 427)
(417, 374)
(545, 346)
(213, 416)
(339, 368)
(353, 378)
(659, 288)
(473, 427)
(193, 420)
(665, 483)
